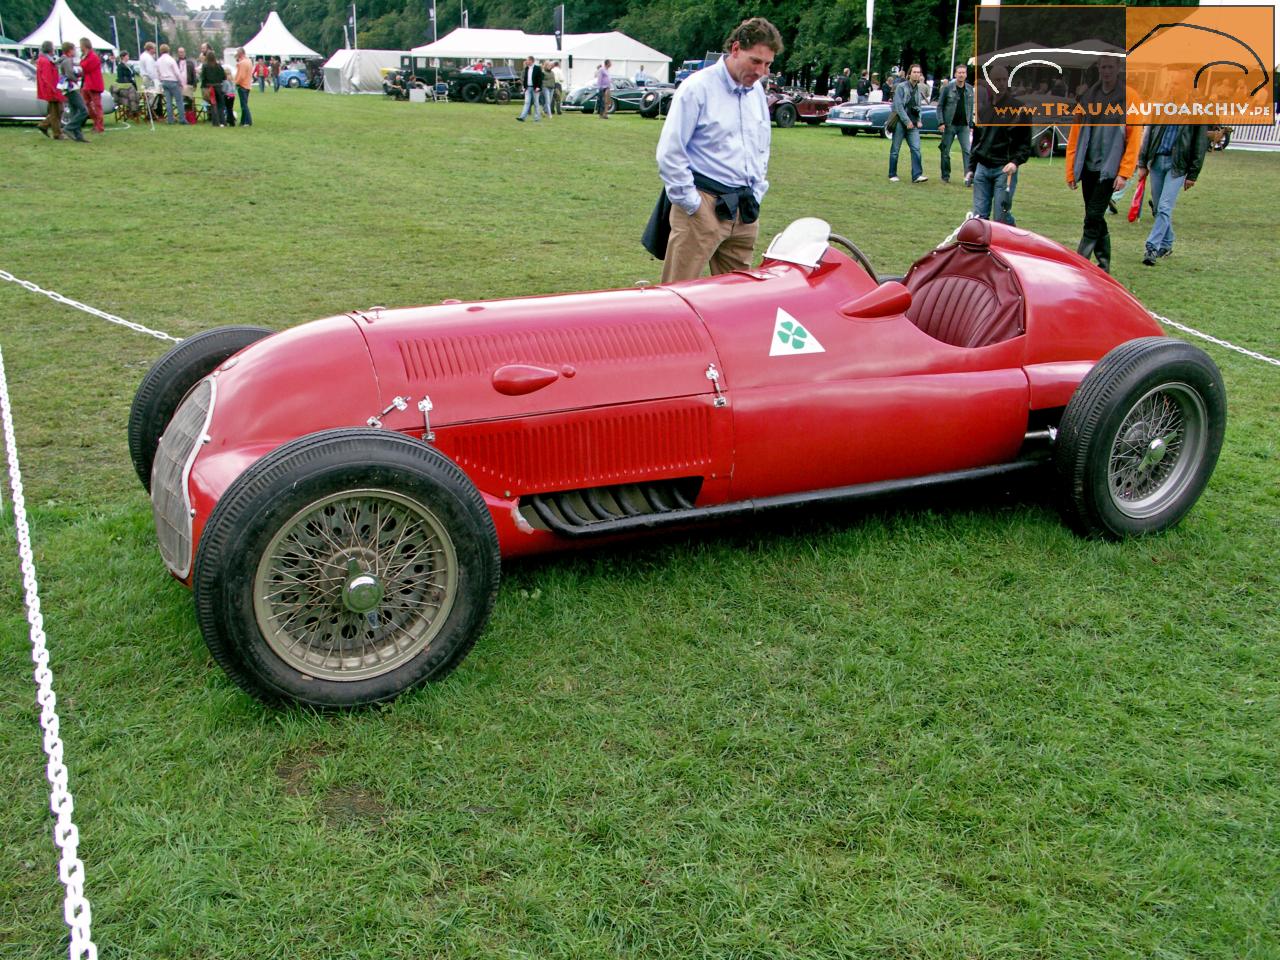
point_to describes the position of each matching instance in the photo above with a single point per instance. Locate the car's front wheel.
(1140, 438)
(785, 115)
(345, 568)
(294, 82)
(168, 382)
(472, 92)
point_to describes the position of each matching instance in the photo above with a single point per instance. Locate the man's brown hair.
(753, 32)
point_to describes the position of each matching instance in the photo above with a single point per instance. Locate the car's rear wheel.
(1140, 438)
(504, 95)
(345, 568)
(472, 92)
(168, 382)
(294, 82)
(785, 115)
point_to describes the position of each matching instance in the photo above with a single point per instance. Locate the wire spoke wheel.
(355, 584)
(1139, 439)
(1157, 450)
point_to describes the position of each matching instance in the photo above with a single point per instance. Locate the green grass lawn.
(938, 729)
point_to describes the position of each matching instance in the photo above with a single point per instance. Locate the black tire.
(491, 95)
(884, 133)
(277, 570)
(1044, 144)
(785, 115)
(848, 131)
(472, 92)
(294, 82)
(1140, 438)
(504, 95)
(168, 382)
(649, 105)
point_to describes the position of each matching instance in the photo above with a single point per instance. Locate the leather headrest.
(975, 234)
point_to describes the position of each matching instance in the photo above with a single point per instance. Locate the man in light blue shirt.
(713, 157)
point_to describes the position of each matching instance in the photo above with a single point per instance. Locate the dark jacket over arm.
(1189, 148)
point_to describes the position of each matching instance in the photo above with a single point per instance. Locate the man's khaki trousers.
(704, 238)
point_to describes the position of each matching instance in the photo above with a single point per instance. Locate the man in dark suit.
(532, 79)
(843, 86)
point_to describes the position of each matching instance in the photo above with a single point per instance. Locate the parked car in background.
(853, 118)
(494, 84)
(18, 100)
(786, 106)
(656, 103)
(294, 77)
(627, 97)
(693, 66)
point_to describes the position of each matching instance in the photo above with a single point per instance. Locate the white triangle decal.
(790, 337)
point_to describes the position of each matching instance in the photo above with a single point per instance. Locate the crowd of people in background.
(163, 85)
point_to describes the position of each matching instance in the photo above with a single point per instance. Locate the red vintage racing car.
(339, 495)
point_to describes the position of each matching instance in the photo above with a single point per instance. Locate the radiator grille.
(439, 358)
(170, 507)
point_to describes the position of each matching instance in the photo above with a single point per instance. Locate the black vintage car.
(497, 84)
(625, 96)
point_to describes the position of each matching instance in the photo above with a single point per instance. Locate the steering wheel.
(856, 253)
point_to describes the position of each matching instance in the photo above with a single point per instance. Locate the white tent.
(358, 71)
(580, 54)
(470, 43)
(629, 55)
(275, 40)
(62, 25)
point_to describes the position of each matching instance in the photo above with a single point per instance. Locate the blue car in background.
(293, 78)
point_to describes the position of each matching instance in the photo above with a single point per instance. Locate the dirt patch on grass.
(297, 766)
(352, 806)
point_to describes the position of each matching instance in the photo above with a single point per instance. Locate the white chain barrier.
(75, 908)
(1212, 339)
(94, 311)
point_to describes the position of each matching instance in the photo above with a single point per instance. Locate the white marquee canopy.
(62, 25)
(580, 53)
(275, 40)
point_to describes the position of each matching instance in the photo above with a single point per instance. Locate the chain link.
(75, 908)
(110, 317)
(1212, 339)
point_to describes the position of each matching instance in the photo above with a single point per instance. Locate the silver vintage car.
(18, 100)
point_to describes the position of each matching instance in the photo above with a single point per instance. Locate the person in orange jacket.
(1101, 158)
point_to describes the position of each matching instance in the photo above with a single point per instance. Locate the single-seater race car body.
(340, 495)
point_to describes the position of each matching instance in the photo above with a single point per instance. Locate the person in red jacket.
(47, 90)
(91, 64)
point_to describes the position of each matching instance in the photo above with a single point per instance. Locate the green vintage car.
(626, 96)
